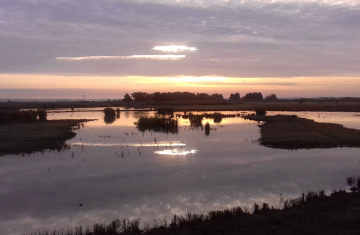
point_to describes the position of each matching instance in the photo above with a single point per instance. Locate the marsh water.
(113, 170)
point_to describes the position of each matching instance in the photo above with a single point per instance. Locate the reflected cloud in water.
(157, 144)
(175, 152)
(44, 190)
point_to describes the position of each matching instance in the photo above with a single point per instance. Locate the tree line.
(187, 96)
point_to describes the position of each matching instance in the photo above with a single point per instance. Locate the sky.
(105, 48)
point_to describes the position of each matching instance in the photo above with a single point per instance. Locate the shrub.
(42, 115)
(109, 112)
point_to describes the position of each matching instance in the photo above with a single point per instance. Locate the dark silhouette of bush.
(195, 118)
(109, 112)
(42, 115)
(271, 97)
(158, 124)
(235, 96)
(24, 116)
(140, 96)
(127, 98)
(253, 96)
(260, 112)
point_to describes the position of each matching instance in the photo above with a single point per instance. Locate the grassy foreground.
(26, 138)
(311, 213)
(292, 132)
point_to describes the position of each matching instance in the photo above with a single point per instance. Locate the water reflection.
(157, 144)
(175, 152)
(120, 172)
(207, 129)
(109, 119)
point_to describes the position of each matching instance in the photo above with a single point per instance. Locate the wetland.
(113, 169)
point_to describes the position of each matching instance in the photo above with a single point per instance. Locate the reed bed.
(311, 213)
(158, 124)
(217, 116)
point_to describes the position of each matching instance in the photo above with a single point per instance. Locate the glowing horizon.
(110, 86)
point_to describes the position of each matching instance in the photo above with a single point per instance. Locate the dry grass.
(292, 132)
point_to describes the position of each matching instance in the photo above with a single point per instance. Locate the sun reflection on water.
(175, 152)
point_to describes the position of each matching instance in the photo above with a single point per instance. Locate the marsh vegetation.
(311, 213)
(292, 132)
(24, 138)
(22, 116)
(157, 124)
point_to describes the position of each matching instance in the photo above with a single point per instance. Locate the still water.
(115, 171)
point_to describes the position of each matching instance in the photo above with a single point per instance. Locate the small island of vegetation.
(25, 132)
(292, 132)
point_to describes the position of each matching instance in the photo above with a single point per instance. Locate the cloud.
(175, 48)
(252, 39)
(152, 57)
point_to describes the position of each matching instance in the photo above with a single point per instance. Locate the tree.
(127, 98)
(271, 97)
(217, 96)
(253, 96)
(140, 96)
(235, 96)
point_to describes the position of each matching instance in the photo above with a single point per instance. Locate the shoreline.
(316, 106)
(311, 213)
(17, 138)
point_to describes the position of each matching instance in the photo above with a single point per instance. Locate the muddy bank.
(292, 132)
(30, 137)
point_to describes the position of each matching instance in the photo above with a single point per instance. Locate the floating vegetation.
(158, 124)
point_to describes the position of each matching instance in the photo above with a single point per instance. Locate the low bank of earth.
(292, 132)
(19, 138)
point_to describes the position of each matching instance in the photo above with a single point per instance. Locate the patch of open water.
(115, 171)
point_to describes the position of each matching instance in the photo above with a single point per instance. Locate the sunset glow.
(286, 87)
(182, 45)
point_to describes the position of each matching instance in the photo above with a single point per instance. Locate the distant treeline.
(186, 96)
(171, 96)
